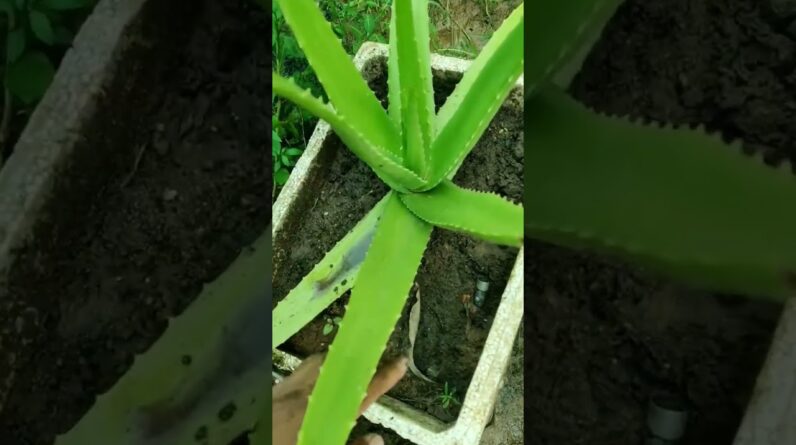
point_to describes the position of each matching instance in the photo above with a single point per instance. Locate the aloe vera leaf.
(393, 78)
(375, 306)
(477, 98)
(386, 165)
(328, 280)
(678, 201)
(344, 85)
(556, 33)
(416, 91)
(575, 54)
(482, 215)
(206, 376)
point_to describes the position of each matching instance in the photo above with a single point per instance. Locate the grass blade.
(376, 303)
(681, 202)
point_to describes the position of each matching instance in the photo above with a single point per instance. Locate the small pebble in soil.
(169, 195)
(227, 412)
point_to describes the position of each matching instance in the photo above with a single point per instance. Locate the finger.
(302, 380)
(386, 377)
(369, 439)
(290, 398)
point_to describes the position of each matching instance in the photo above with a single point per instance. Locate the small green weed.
(330, 324)
(448, 397)
(358, 21)
(284, 158)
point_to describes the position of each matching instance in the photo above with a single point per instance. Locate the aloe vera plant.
(679, 201)
(416, 152)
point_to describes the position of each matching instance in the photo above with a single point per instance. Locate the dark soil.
(124, 248)
(364, 427)
(601, 338)
(448, 344)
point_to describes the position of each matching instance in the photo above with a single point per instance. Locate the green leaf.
(477, 98)
(327, 281)
(65, 5)
(482, 215)
(210, 356)
(7, 6)
(393, 80)
(678, 201)
(414, 71)
(281, 176)
(328, 328)
(289, 47)
(294, 151)
(347, 91)
(369, 24)
(384, 163)
(30, 76)
(41, 27)
(16, 43)
(375, 306)
(556, 32)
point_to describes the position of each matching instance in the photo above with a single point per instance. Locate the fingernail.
(373, 439)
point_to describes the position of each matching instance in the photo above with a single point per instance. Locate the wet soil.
(127, 244)
(448, 343)
(602, 337)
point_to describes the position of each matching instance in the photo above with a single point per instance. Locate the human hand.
(290, 398)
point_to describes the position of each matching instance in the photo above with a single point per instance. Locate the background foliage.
(36, 35)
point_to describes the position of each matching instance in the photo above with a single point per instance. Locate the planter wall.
(140, 176)
(479, 401)
(53, 133)
(769, 418)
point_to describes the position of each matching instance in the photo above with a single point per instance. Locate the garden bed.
(168, 181)
(600, 337)
(449, 344)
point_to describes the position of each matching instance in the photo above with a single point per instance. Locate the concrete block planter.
(139, 177)
(477, 406)
(53, 133)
